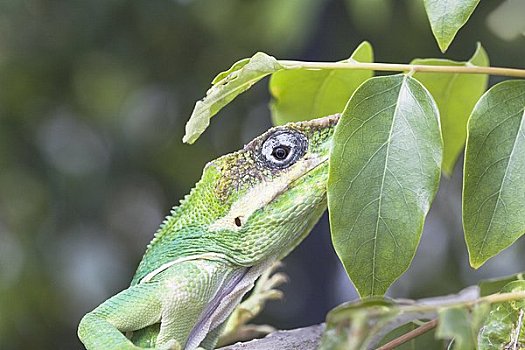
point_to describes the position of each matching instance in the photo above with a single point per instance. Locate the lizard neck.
(184, 232)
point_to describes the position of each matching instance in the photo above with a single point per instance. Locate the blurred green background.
(94, 96)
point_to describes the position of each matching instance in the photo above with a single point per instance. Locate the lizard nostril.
(238, 222)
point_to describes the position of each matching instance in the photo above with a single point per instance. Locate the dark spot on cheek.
(238, 222)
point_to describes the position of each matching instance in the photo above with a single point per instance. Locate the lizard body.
(250, 209)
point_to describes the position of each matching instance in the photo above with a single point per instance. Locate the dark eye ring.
(282, 148)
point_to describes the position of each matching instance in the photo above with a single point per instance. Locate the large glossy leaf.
(302, 94)
(225, 87)
(455, 95)
(504, 328)
(494, 174)
(384, 172)
(447, 17)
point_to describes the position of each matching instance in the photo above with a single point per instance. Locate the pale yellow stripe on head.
(262, 194)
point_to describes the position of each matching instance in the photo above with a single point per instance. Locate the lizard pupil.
(281, 152)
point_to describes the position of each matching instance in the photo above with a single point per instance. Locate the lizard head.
(252, 205)
(272, 191)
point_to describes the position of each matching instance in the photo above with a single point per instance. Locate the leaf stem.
(490, 299)
(501, 297)
(409, 336)
(396, 67)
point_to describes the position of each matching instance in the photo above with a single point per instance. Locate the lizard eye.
(283, 148)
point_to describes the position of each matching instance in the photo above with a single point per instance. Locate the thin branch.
(501, 297)
(395, 67)
(409, 336)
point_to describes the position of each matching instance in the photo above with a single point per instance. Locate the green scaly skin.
(243, 215)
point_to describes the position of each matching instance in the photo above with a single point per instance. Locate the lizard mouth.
(311, 164)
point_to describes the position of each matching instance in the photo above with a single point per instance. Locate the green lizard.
(249, 210)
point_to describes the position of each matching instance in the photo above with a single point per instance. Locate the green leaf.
(360, 325)
(366, 323)
(447, 17)
(384, 172)
(455, 95)
(494, 174)
(226, 86)
(235, 67)
(504, 326)
(454, 324)
(302, 94)
(494, 285)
